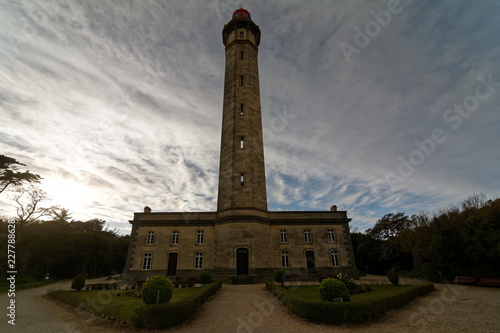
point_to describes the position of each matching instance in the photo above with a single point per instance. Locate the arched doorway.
(242, 261)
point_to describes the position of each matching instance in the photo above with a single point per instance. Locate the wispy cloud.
(118, 104)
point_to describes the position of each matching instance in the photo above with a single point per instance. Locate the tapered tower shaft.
(242, 180)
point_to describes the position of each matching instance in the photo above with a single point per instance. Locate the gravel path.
(251, 308)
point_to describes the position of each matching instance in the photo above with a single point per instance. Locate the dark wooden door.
(311, 264)
(242, 261)
(172, 264)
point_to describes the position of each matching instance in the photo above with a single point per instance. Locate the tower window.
(242, 142)
(200, 237)
(307, 236)
(242, 34)
(241, 109)
(151, 238)
(242, 80)
(146, 263)
(175, 237)
(284, 259)
(242, 55)
(242, 179)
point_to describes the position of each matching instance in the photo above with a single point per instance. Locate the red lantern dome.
(241, 13)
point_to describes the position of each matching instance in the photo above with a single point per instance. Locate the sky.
(375, 106)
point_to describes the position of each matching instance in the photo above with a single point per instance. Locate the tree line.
(49, 242)
(457, 240)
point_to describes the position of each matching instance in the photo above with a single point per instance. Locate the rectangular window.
(175, 237)
(242, 142)
(242, 34)
(242, 179)
(284, 259)
(307, 236)
(242, 80)
(331, 235)
(241, 110)
(335, 258)
(242, 55)
(151, 238)
(283, 236)
(146, 263)
(198, 260)
(200, 237)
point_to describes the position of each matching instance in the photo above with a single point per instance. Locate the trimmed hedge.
(161, 316)
(340, 313)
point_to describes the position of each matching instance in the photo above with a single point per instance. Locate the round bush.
(280, 276)
(393, 277)
(333, 288)
(78, 282)
(151, 287)
(205, 277)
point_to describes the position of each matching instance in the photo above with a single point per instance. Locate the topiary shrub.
(78, 282)
(280, 276)
(205, 277)
(152, 285)
(393, 277)
(330, 289)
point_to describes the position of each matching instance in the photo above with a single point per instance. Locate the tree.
(9, 176)
(389, 226)
(389, 229)
(28, 204)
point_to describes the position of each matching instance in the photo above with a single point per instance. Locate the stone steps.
(242, 279)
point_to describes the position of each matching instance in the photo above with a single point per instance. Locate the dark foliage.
(78, 282)
(280, 276)
(9, 176)
(457, 240)
(393, 277)
(205, 277)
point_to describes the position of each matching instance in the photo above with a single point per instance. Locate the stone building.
(242, 242)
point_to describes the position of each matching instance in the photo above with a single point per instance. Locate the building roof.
(241, 13)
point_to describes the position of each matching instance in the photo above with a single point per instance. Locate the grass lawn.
(108, 303)
(378, 291)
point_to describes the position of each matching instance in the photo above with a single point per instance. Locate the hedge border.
(161, 316)
(348, 312)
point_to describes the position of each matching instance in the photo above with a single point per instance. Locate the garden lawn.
(108, 303)
(378, 291)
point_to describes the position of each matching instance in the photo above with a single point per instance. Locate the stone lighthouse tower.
(242, 180)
